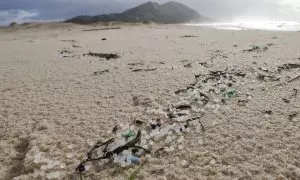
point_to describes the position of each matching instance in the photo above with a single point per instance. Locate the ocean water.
(253, 25)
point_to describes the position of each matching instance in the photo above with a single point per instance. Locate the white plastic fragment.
(70, 155)
(184, 163)
(62, 165)
(71, 146)
(180, 147)
(44, 167)
(171, 148)
(53, 175)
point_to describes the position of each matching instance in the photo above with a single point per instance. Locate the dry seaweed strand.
(106, 56)
(139, 70)
(108, 154)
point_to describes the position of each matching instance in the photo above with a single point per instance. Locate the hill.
(171, 12)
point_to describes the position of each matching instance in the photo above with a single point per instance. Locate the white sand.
(57, 107)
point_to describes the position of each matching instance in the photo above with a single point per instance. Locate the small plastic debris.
(213, 161)
(268, 112)
(62, 165)
(242, 102)
(189, 65)
(86, 167)
(129, 134)
(138, 122)
(286, 100)
(295, 93)
(71, 146)
(115, 129)
(101, 72)
(183, 106)
(44, 167)
(75, 46)
(147, 137)
(183, 128)
(263, 69)
(135, 160)
(230, 93)
(37, 158)
(167, 149)
(155, 123)
(292, 116)
(184, 163)
(53, 175)
(151, 143)
(70, 155)
(171, 148)
(81, 167)
(263, 77)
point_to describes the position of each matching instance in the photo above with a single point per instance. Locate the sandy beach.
(57, 101)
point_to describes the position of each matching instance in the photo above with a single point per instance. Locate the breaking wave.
(253, 25)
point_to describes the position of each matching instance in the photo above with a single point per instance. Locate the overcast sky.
(27, 10)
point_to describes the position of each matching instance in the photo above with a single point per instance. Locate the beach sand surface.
(56, 103)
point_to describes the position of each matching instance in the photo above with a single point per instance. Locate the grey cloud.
(8, 16)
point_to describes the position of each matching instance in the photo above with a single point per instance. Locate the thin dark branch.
(139, 147)
(99, 144)
(118, 150)
(160, 149)
(202, 127)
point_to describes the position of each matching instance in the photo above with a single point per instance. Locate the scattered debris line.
(257, 49)
(106, 56)
(101, 72)
(101, 29)
(139, 140)
(139, 70)
(127, 148)
(288, 66)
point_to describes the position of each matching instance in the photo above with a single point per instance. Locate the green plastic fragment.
(129, 134)
(230, 93)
